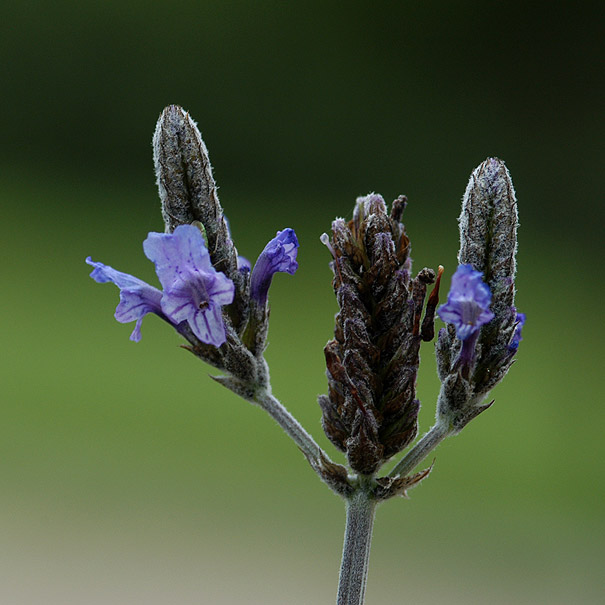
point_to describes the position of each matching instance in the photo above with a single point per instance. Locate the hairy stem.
(422, 449)
(292, 427)
(356, 550)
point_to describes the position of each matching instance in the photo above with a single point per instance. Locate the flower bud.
(188, 193)
(488, 230)
(484, 328)
(278, 256)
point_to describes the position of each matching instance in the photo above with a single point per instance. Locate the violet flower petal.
(193, 290)
(468, 301)
(279, 255)
(137, 298)
(243, 264)
(173, 253)
(517, 338)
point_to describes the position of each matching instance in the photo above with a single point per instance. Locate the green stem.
(361, 508)
(422, 449)
(291, 427)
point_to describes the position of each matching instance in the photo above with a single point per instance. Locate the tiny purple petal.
(243, 264)
(468, 300)
(517, 338)
(184, 250)
(279, 255)
(208, 325)
(137, 298)
(193, 290)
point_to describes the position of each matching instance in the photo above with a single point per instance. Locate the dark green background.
(126, 474)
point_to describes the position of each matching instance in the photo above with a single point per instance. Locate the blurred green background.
(127, 475)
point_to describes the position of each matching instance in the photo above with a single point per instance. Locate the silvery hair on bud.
(488, 242)
(182, 167)
(488, 229)
(188, 193)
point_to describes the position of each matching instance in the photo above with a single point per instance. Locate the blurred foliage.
(130, 477)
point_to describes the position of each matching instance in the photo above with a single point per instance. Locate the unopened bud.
(188, 193)
(488, 230)
(183, 171)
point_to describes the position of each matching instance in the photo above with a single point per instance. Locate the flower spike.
(476, 350)
(370, 412)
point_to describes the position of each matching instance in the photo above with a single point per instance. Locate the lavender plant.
(219, 305)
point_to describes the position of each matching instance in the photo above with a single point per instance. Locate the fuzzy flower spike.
(371, 411)
(477, 348)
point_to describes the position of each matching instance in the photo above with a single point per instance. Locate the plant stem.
(292, 427)
(361, 508)
(422, 449)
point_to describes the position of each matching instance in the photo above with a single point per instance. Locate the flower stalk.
(361, 510)
(220, 306)
(421, 450)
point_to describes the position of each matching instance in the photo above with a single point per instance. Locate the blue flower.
(279, 255)
(517, 338)
(468, 300)
(136, 297)
(194, 291)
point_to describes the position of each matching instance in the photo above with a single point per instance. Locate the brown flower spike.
(371, 411)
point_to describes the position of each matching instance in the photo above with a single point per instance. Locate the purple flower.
(468, 301)
(243, 264)
(193, 290)
(467, 309)
(279, 255)
(517, 338)
(136, 297)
